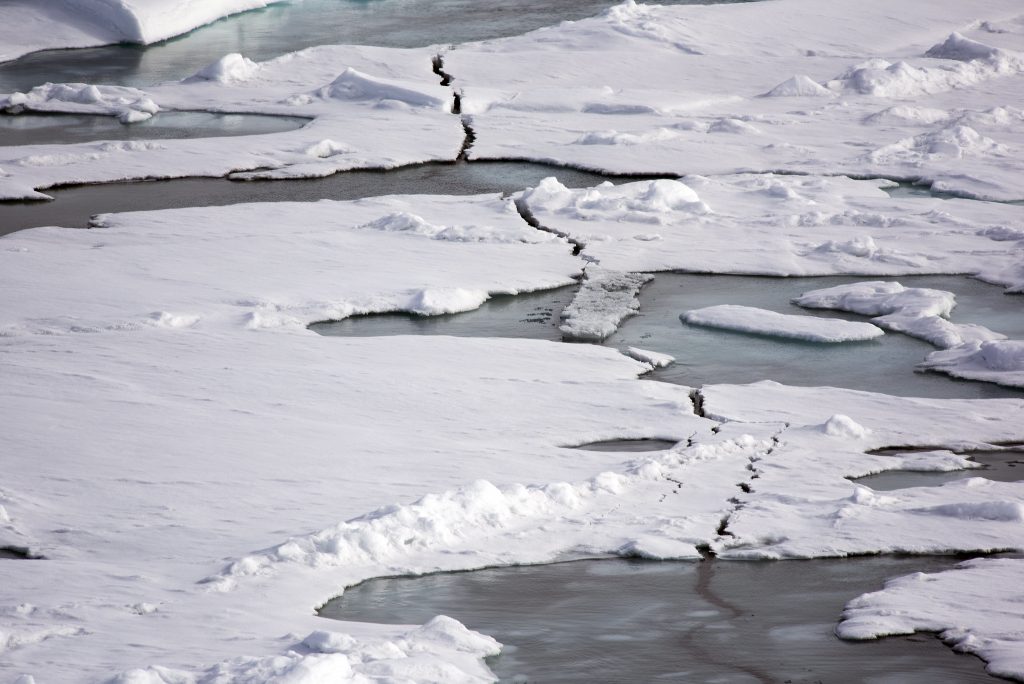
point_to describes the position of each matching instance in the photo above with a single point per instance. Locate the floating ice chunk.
(603, 301)
(231, 68)
(799, 86)
(999, 361)
(750, 319)
(974, 607)
(354, 85)
(918, 312)
(656, 359)
(128, 104)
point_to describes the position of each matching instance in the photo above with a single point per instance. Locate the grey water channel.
(49, 129)
(297, 24)
(73, 206)
(636, 621)
(1001, 466)
(711, 356)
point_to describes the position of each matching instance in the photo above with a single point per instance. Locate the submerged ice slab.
(763, 322)
(604, 299)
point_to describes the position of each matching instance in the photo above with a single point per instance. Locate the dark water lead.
(289, 26)
(74, 205)
(1001, 466)
(635, 621)
(47, 129)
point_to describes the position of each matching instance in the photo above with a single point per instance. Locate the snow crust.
(959, 604)
(763, 322)
(682, 89)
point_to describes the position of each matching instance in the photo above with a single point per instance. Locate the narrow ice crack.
(524, 210)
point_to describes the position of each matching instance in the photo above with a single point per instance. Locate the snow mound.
(957, 47)
(231, 68)
(327, 148)
(435, 302)
(604, 300)
(353, 85)
(958, 141)
(974, 607)
(763, 322)
(841, 425)
(129, 105)
(915, 311)
(799, 86)
(405, 222)
(643, 202)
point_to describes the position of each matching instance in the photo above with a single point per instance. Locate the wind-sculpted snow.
(369, 108)
(727, 89)
(958, 604)
(782, 225)
(763, 322)
(30, 25)
(968, 351)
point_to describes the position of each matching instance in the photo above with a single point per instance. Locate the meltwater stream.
(634, 621)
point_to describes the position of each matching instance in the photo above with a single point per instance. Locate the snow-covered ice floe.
(750, 319)
(958, 604)
(766, 224)
(369, 108)
(732, 88)
(30, 25)
(967, 351)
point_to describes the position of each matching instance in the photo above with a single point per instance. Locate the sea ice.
(763, 322)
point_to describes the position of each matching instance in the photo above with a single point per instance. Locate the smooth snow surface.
(958, 604)
(750, 319)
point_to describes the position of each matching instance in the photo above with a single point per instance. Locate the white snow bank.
(975, 608)
(763, 322)
(604, 300)
(442, 651)
(799, 86)
(127, 104)
(769, 224)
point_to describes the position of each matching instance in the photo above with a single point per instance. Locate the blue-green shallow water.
(285, 27)
(710, 356)
(48, 129)
(635, 621)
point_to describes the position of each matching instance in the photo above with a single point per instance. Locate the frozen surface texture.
(603, 301)
(795, 85)
(30, 25)
(959, 604)
(369, 108)
(750, 319)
